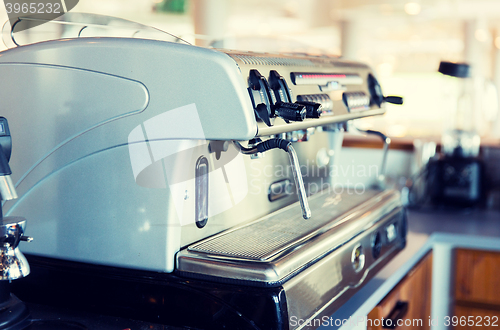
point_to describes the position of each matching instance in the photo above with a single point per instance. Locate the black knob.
(459, 70)
(313, 109)
(375, 90)
(376, 245)
(393, 99)
(262, 112)
(262, 99)
(376, 93)
(290, 111)
(279, 86)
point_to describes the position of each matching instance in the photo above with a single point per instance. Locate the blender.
(455, 177)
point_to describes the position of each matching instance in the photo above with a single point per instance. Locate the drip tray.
(271, 250)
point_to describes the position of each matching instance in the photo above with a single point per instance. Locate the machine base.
(14, 315)
(152, 297)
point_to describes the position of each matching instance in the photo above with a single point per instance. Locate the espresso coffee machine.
(189, 186)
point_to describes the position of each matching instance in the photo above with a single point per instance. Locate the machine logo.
(160, 159)
(26, 14)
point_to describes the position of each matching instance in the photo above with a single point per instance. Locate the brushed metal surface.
(260, 174)
(80, 172)
(263, 239)
(340, 116)
(271, 249)
(279, 189)
(172, 74)
(7, 188)
(321, 289)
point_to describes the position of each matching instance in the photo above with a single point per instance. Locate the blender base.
(14, 314)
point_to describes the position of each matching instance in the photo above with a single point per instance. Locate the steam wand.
(14, 314)
(387, 143)
(294, 162)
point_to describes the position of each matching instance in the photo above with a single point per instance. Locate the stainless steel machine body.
(98, 105)
(135, 164)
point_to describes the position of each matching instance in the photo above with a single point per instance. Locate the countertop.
(468, 228)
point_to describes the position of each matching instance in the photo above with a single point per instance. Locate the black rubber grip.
(273, 144)
(313, 109)
(393, 99)
(291, 111)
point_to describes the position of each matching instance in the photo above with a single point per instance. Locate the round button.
(358, 258)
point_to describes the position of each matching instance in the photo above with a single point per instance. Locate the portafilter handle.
(13, 263)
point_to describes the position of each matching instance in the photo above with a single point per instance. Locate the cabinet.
(413, 294)
(474, 292)
(477, 288)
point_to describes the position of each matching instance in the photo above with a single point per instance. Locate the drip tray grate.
(263, 239)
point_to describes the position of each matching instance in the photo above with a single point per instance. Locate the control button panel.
(279, 86)
(323, 99)
(273, 99)
(356, 101)
(316, 82)
(326, 79)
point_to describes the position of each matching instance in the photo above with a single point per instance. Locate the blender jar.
(460, 138)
